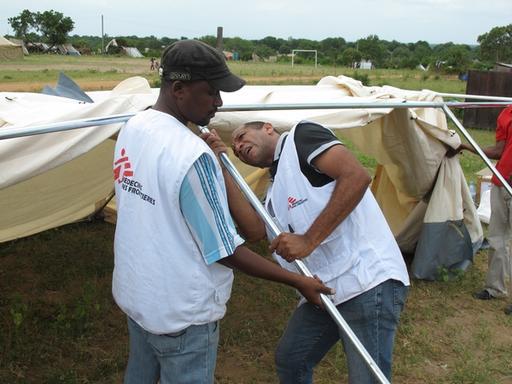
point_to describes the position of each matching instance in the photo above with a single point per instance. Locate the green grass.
(45, 68)
(60, 325)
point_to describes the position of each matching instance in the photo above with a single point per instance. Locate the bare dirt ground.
(36, 86)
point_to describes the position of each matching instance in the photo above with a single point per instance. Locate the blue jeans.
(373, 316)
(185, 357)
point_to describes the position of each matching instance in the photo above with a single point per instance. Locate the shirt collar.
(277, 154)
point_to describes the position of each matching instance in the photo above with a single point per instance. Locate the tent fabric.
(20, 42)
(66, 87)
(415, 183)
(9, 50)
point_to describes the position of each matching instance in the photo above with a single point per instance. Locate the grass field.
(59, 324)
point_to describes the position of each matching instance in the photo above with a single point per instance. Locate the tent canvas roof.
(408, 144)
(9, 50)
(5, 42)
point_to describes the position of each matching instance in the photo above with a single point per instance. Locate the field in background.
(59, 324)
(98, 72)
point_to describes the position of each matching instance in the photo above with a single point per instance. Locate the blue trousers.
(373, 316)
(185, 357)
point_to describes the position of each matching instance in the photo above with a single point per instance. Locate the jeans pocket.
(400, 292)
(169, 343)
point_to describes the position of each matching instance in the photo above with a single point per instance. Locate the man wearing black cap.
(175, 241)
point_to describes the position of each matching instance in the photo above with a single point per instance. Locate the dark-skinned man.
(175, 242)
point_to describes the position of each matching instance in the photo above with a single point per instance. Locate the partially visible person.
(320, 196)
(500, 230)
(175, 242)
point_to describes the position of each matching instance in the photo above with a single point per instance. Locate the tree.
(372, 48)
(350, 56)
(496, 45)
(52, 26)
(22, 25)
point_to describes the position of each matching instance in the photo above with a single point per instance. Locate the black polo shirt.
(311, 140)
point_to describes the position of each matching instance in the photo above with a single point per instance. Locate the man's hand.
(311, 288)
(215, 142)
(291, 246)
(463, 147)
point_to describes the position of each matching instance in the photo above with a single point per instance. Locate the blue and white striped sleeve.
(204, 205)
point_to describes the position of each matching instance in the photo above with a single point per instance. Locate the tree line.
(53, 28)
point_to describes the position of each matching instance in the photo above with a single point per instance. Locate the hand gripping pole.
(275, 231)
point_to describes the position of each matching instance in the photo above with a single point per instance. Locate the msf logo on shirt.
(293, 202)
(122, 174)
(122, 167)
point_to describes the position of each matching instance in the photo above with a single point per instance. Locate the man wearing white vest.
(175, 242)
(319, 195)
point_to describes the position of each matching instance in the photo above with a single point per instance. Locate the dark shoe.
(483, 295)
(508, 310)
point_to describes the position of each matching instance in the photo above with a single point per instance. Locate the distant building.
(503, 67)
(128, 51)
(363, 64)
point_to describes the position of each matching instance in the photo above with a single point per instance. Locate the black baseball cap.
(189, 60)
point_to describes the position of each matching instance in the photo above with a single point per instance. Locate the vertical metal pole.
(275, 231)
(102, 37)
(477, 148)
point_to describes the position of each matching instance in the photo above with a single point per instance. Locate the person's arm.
(250, 225)
(257, 266)
(205, 212)
(352, 181)
(494, 152)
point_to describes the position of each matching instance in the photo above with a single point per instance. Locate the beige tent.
(53, 179)
(10, 51)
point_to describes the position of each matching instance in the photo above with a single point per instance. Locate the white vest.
(358, 255)
(160, 278)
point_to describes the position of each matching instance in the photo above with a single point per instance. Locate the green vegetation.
(53, 28)
(88, 71)
(50, 27)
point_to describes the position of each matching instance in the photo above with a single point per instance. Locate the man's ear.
(177, 88)
(268, 128)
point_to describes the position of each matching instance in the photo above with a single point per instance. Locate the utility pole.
(220, 45)
(102, 37)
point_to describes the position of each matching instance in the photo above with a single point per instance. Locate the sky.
(435, 21)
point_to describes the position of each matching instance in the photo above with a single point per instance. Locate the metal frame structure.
(305, 50)
(249, 194)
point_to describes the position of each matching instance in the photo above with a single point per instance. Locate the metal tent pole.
(477, 148)
(275, 231)
(13, 132)
(475, 97)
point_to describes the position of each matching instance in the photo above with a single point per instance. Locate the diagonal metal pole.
(477, 148)
(303, 269)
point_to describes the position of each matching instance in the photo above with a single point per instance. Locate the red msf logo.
(122, 167)
(293, 202)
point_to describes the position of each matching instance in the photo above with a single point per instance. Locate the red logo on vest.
(293, 202)
(122, 167)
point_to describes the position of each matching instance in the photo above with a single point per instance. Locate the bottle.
(472, 190)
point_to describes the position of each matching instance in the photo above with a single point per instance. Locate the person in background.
(319, 194)
(500, 230)
(175, 242)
